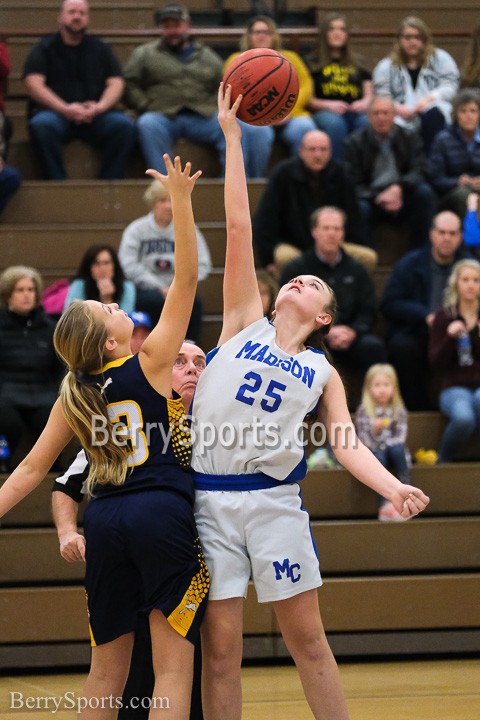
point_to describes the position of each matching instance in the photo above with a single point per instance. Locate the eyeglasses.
(411, 36)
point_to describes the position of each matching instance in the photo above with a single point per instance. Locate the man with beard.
(172, 84)
(73, 81)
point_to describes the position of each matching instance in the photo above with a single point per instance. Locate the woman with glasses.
(420, 78)
(261, 32)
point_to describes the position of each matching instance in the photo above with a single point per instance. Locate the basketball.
(268, 83)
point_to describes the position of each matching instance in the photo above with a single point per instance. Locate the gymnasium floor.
(415, 690)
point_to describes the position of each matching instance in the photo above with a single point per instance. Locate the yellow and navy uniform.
(142, 546)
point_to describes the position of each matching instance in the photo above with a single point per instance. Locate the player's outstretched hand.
(176, 180)
(409, 501)
(227, 111)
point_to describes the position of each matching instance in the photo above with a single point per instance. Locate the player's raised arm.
(160, 349)
(33, 468)
(241, 297)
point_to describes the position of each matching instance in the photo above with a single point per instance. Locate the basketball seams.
(269, 93)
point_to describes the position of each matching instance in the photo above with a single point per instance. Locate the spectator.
(296, 187)
(385, 162)
(343, 87)
(349, 340)
(172, 84)
(412, 295)
(257, 141)
(458, 319)
(74, 81)
(29, 369)
(268, 288)
(454, 162)
(10, 179)
(147, 256)
(381, 423)
(420, 78)
(100, 277)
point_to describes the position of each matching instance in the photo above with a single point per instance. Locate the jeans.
(394, 458)
(113, 132)
(157, 134)
(418, 210)
(10, 181)
(462, 406)
(338, 127)
(257, 142)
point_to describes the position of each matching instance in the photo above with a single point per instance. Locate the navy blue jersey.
(154, 429)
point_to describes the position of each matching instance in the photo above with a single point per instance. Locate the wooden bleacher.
(382, 581)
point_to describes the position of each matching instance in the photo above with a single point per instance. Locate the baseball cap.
(140, 319)
(172, 11)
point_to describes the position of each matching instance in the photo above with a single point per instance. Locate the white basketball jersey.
(250, 404)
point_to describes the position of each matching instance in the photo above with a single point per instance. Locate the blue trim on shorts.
(248, 481)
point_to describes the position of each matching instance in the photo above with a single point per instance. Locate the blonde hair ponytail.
(79, 340)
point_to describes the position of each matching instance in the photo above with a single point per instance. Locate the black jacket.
(283, 213)
(406, 298)
(29, 368)
(362, 147)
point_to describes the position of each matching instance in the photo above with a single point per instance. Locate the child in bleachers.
(381, 423)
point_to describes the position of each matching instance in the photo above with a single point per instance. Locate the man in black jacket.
(386, 164)
(350, 339)
(296, 187)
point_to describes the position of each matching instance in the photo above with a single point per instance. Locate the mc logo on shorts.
(284, 568)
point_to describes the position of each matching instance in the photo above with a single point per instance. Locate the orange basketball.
(268, 83)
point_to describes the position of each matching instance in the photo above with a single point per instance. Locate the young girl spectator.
(420, 78)
(343, 87)
(100, 277)
(455, 351)
(142, 549)
(381, 422)
(257, 141)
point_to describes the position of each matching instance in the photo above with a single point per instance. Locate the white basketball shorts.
(263, 535)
